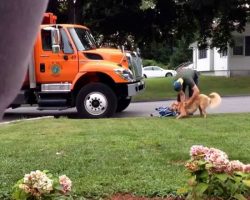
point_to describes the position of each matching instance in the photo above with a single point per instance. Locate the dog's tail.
(215, 99)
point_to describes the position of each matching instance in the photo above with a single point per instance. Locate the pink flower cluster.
(66, 183)
(216, 161)
(198, 151)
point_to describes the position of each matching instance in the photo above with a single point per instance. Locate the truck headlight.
(126, 74)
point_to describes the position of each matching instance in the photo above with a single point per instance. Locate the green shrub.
(148, 62)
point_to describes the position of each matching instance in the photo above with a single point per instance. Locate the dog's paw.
(178, 117)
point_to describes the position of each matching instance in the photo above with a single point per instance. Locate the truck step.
(52, 108)
(52, 103)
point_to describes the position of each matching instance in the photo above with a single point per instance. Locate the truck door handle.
(45, 56)
(42, 67)
(65, 57)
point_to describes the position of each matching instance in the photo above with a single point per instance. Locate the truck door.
(56, 67)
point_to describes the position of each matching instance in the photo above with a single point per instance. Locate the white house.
(233, 62)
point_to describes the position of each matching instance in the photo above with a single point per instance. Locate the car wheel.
(96, 100)
(144, 76)
(168, 75)
(123, 103)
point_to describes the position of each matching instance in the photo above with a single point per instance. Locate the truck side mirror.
(55, 38)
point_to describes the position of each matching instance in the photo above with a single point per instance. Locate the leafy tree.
(217, 19)
(67, 11)
(157, 50)
(156, 25)
(115, 19)
(181, 54)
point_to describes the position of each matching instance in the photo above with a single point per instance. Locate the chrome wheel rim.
(95, 103)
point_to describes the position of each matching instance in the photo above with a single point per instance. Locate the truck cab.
(69, 70)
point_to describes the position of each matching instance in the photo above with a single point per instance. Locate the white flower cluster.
(36, 183)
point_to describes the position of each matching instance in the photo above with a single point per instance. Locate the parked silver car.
(155, 71)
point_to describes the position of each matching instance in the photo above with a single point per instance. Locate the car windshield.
(83, 39)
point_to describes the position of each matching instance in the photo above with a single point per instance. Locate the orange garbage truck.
(67, 70)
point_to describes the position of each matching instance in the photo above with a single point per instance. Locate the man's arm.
(196, 92)
(182, 96)
(182, 103)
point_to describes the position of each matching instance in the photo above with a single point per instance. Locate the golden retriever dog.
(202, 102)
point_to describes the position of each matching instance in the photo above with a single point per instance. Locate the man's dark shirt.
(188, 76)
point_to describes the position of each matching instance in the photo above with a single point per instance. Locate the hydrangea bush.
(214, 176)
(41, 185)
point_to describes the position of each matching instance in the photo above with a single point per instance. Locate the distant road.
(138, 109)
(228, 105)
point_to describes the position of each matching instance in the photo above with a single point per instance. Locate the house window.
(247, 46)
(202, 53)
(238, 48)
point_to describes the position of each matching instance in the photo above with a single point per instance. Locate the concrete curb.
(28, 119)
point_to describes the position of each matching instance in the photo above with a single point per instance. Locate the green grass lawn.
(161, 88)
(144, 156)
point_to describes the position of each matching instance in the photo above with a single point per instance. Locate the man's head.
(178, 85)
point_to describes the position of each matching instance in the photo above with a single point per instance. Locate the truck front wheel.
(96, 100)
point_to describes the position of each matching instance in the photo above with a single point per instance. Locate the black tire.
(96, 100)
(123, 103)
(168, 75)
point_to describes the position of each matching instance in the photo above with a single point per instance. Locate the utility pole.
(74, 1)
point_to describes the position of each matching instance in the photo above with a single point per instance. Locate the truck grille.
(135, 65)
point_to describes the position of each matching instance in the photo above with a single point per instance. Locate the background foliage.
(162, 29)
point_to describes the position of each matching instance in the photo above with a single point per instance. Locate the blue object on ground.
(165, 112)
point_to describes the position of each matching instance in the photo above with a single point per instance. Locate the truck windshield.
(83, 39)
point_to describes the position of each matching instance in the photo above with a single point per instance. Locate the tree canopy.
(144, 23)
